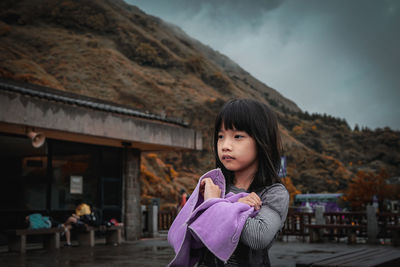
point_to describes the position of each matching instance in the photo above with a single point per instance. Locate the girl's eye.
(238, 136)
(220, 136)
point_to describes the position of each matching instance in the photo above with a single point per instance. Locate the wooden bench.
(17, 238)
(384, 256)
(113, 235)
(317, 231)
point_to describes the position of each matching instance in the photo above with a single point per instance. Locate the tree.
(293, 191)
(365, 185)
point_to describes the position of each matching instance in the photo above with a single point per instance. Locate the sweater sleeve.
(260, 231)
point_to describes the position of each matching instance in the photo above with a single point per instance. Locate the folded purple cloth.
(216, 223)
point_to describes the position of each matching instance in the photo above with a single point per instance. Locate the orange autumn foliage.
(298, 130)
(293, 191)
(365, 185)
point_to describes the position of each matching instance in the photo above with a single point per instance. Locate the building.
(308, 201)
(91, 153)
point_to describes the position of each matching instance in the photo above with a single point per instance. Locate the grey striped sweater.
(259, 232)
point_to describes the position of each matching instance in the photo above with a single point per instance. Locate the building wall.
(131, 206)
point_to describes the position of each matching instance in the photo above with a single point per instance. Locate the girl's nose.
(226, 145)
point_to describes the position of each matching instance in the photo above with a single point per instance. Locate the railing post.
(319, 215)
(144, 218)
(318, 234)
(372, 224)
(153, 218)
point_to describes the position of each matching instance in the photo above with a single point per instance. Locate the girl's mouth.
(226, 157)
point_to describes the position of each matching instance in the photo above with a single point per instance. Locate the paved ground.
(287, 253)
(156, 252)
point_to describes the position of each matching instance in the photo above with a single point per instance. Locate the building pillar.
(131, 208)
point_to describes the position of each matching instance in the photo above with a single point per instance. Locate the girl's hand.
(253, 200)
(209, 190)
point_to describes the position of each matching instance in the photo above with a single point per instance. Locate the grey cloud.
(337, 57)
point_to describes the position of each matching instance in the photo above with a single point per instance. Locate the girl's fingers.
(252, 204)
(206, 182)
(203, 184)
(253, 200)
(210, 189)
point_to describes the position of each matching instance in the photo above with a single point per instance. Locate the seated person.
(80, 217)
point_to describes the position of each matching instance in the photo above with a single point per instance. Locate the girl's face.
(237, 151)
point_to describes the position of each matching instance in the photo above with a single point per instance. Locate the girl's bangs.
(235, 117)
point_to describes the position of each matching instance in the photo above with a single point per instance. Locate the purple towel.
(216, 223)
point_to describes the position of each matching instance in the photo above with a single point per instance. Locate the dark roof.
(79, 100)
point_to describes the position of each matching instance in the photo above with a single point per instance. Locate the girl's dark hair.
(260, 122)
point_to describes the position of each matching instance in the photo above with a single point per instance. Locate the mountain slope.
(113, 51)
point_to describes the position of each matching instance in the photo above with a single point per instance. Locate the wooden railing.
(388, 223)
(351, 218)
(165, 219)
(295, 224)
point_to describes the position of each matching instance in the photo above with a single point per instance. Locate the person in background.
(182, 200)
(80, 217)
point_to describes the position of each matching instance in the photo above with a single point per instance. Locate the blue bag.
(37, 221)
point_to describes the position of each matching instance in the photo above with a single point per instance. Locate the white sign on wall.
(76, 185)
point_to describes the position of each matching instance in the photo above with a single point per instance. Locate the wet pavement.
(288, 253)
(156, 252)
(145, 252)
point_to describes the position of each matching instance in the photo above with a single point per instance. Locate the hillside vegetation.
(113, 51)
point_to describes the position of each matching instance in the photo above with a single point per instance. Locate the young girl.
(247, 149)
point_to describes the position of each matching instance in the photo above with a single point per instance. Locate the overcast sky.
(337, 57)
